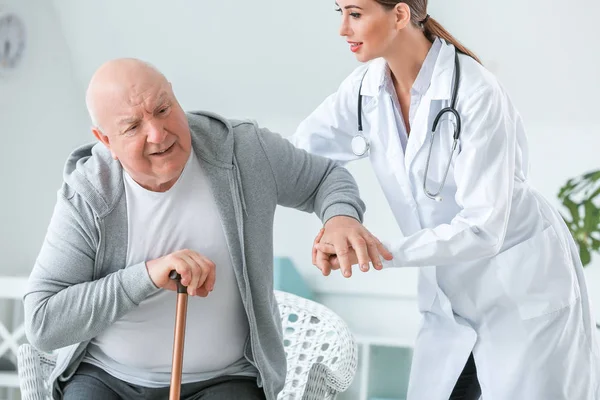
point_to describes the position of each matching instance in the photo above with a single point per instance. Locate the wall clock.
(12, 40)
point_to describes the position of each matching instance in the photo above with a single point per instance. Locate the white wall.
(275, 61)
(41, 119)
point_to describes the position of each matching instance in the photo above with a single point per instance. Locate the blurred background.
(274, 62)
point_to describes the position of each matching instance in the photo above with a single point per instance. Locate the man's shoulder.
(215, 136)
(210, 121)
(243, 124)
(92, 177)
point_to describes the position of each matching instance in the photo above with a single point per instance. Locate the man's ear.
(104, 139)
(403, 15)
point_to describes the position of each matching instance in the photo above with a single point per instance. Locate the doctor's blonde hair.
(431, 28)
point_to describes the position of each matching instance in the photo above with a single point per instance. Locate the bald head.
(128, 77)
(137, 117)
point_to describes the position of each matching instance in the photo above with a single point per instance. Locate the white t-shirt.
(138, 347)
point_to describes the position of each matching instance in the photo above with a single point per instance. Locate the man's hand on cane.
(197, 272)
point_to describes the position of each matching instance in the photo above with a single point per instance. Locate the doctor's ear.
(402, 14)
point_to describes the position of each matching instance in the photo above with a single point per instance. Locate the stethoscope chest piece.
(360, 145)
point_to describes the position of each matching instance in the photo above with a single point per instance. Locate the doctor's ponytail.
(431, 28)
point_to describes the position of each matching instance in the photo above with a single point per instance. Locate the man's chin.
(168, 176)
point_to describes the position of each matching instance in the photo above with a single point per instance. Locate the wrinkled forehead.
(133, 99)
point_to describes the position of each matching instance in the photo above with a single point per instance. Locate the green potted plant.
(581, 198)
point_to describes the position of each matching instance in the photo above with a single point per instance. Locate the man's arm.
(63, 304)
(310, 183)
(317, 184)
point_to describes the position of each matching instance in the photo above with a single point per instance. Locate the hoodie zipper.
(240, 209)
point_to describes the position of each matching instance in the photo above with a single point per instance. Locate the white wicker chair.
(321, 354)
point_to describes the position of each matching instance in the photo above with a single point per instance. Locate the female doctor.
(501, 290)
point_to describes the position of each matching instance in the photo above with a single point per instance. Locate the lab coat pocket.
(537, 275)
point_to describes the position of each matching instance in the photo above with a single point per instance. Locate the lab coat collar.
(423, 81)
(374, 78)
(443, 73)
(441, 80)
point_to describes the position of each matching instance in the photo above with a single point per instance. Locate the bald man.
(162, 189)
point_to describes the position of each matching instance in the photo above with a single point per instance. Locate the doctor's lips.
(355, 46)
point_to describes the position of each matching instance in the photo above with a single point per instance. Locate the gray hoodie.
(80, 284)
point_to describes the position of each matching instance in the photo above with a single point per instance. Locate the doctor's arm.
(484, 173)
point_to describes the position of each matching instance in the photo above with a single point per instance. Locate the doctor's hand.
(343, 242)
(197, 272)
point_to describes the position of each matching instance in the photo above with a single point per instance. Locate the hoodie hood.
(91, 172)
(212, 138)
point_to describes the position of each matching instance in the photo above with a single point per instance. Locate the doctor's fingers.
(387, 255)
(326, 248)
(314, 249)
(322, 262)
(376, 251)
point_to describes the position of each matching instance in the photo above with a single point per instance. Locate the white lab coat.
(500, 274)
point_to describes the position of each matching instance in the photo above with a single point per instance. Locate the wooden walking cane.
(179, 339)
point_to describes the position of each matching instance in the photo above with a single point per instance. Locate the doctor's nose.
(344, 28)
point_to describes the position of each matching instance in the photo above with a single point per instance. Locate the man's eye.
(164, 110)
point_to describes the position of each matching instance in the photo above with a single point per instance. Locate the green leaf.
(577, 196)
(585, 255)
(591, 218)
(594, 194)
(592, 176)
(573, 209)
(566, 189)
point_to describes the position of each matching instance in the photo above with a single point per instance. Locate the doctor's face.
(369, 28)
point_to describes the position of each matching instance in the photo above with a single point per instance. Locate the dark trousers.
(467, 386)
(93, 383)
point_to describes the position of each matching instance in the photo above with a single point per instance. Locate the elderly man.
(164, 190)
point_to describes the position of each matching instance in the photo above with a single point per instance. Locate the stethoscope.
(360, 144)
